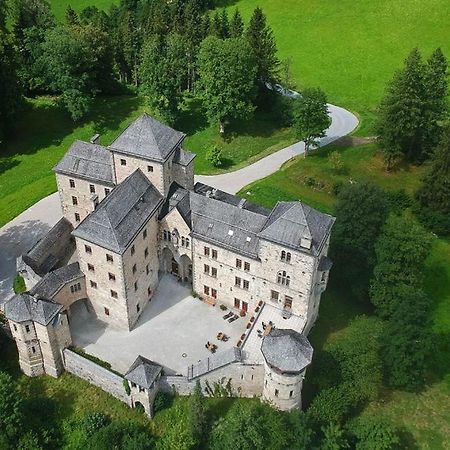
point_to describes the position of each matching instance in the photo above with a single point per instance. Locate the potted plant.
(242, 313)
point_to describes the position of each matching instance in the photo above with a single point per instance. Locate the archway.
(170, 263)
(186, 268)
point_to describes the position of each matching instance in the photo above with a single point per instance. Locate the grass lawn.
(350, 49)
(424, 417)
(311, 179)
(59, 7)
(45, 132)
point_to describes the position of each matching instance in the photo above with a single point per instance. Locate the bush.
(163, 400)
(19, 284)
(337, 187)
(434, 221)
(94, 421)
(374, 433)
(398, 200)
(335, 161)
(214, 156)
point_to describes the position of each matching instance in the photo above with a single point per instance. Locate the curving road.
(18, 236)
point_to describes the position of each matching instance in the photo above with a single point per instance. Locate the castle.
(131, 214)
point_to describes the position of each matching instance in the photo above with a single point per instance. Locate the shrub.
(126, 386)
(337, 187)
(214, 156)
(223, 307)
(94, 421)
(19, 284)
(335, 161)
(163, 400)
(398, 200)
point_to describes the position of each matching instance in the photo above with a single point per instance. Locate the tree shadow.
(8, 163)
(192, 118)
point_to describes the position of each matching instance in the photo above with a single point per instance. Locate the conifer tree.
(236, 24)
(197, 414)
(71, 16)
(262, 41)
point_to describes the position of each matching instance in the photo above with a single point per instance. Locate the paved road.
(19, 235)
(343, 123)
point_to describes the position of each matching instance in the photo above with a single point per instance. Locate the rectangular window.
(239, 263)
(91, 268)
(237, 303)
(287, 302)
(134, 268)
(132, 249)
(276, 392)
(72, 183)
(147, 269)
(237, 281)
(149, 168)
(33, 349)
(88, 249)
(187, 242)
(109, 258)
(206, 290)
(291, 393)
(146, 252)
(138, 308)
(74, 200)
(244, 306)
(27, 328)
(135, 286)
(182, 241)
(92, 188)
(107, 191)
(274, 295)
(214, 254)
(15, 328)
(213, 293)
(246, 266)
(106, 312)
(149, 291)
(111, 276)
(77, 217)
(113, 294)
(206, 269)
(93, 284)
(206, 251)
(123, 162)
(214, 272)
(144, 234)
(245, 284)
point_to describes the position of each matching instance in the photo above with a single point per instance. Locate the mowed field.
(348, 48)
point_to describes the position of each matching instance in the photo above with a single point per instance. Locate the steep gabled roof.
(88, 161)
(48, 251)
(51, 283)
(178, 198)
(183, 157)
(120, 216)
(290, 222)
(24, 307)
(147, 138)
(143, 372)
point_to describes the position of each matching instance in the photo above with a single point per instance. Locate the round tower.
(286, 353)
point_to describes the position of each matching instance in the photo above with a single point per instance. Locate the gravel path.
(18, 236)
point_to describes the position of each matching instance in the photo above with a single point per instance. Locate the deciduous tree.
(311, 118)
(227, 73)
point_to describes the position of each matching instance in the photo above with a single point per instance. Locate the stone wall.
(95, 374)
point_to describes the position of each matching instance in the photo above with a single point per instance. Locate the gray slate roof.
(215, 361)
(289, 222)
(121, 215)
(88, 161)
(178, 198)
(24, 307)
(143, 372)
(183, 157)
(51, 283)
(51, 249)
(147, 138)
(287, 350)
(226, 225)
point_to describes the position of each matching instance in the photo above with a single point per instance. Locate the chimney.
(95, 139)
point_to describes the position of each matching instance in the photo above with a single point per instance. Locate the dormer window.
(123, 162)
(285, 256)
(149, 168)
(305, 242)
(92, 188)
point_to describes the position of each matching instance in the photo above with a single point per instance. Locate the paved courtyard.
(172, 331)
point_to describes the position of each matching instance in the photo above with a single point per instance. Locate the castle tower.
(142, 377)
(286, 356)
(40, 332)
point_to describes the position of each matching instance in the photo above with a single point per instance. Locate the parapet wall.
(95, 374)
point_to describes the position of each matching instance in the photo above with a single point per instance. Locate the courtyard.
(172, 331)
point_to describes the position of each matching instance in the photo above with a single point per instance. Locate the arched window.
(175, 236)
(187, 242)
(288, 257)
(182, 241)
(283, 278)
(285, 256)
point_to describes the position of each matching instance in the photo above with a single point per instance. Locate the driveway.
(18, 236)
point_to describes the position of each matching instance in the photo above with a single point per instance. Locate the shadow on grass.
(8, 163)
(45, 123)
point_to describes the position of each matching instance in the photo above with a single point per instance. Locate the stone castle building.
(133, 213)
